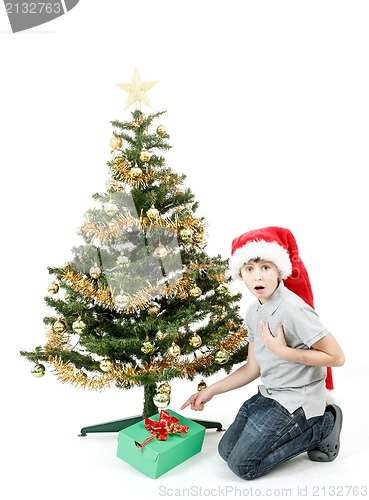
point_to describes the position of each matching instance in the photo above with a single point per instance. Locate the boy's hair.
(259, 259)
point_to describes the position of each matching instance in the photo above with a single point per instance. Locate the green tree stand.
(118, 425)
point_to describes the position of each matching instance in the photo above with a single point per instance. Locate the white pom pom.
(333, 397)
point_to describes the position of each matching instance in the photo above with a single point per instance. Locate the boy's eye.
(266, 267)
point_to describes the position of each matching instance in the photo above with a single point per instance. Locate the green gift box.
(153, 456)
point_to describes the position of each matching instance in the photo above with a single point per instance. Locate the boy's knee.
(248, 470)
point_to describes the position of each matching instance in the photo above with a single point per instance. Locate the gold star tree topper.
(137, 90)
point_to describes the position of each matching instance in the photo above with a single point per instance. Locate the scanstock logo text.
(24, 15)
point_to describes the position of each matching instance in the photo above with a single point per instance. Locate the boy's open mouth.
(259, 287)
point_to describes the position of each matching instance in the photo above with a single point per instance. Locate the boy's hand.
(198, 400)
(276, 344)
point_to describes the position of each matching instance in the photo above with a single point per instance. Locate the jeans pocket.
(290, 431)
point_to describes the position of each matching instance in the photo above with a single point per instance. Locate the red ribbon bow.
(166, 425)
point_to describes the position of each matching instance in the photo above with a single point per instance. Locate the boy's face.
(261, 277)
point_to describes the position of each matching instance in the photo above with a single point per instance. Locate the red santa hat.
(277, 245)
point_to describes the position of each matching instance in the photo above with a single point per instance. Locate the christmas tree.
(141, 303)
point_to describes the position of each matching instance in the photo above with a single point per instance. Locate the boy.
(292, 352)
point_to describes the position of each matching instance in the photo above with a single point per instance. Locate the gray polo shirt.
(291, 384)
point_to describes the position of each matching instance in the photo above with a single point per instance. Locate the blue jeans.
(264, 435)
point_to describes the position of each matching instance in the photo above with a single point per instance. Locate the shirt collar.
(275, 300)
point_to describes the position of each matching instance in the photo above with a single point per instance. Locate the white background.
(267, 108)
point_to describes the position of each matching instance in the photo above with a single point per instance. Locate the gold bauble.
(53, 288)
(201, 385)
(148, 347)
(165, 387)
(195, 291)
(59, 326)
(95, 271)
(160, 252)
(116, 142)
(161, 130)
(152, 213)
(153, 310)
(135, 171)
(161, 399)
(185, 234)
(195, 340)
(221, 357)
(38, 370)
(174, 350)
(78, 326)
(145, 156)
(106, 365)
(121, 301)
(110, 209)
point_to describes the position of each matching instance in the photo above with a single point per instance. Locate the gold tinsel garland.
(67, 373)
(98, 294)
(132, 176)
(188, 368)
(167, 178)
(135, 178)
(105, 232)
(101, 295)
(57, 340)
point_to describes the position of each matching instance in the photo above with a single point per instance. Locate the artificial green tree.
(141, 303)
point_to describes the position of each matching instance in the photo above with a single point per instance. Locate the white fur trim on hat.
(271, 251)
